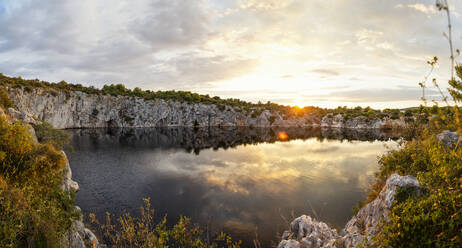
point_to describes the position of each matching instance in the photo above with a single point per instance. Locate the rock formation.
(448, 138)
(309, 233)
(74, 109)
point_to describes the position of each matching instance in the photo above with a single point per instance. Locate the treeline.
(253, 109)
(121, 90)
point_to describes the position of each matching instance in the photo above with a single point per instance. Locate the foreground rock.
(308, 233)
(448, 138)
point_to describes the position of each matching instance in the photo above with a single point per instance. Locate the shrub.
(34, 211)
(434, 219)
(144, 232)
(46, 133)
(5, 100)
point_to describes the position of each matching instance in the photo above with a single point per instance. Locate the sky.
(296, 52)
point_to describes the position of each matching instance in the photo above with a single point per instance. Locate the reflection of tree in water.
(196, 139)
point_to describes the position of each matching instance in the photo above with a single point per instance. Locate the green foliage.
(34, 211)
(433, 219)
(456, 85)
(272, 119)
(5, 100)
(47, 134)
(144, 232)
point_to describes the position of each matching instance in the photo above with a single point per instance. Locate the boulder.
(448, 138)
(309, 233)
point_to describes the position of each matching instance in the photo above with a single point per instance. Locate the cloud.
(423, 8)
(402, 93)
(326, 72)
(172, 23)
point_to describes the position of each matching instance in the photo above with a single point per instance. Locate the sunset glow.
(282, 136)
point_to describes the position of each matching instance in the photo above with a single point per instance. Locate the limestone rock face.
(360, 122)
(67, 183)
(80, 110)
(306, 232)
(22, 116)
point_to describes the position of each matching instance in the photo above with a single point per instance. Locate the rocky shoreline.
(74, 109)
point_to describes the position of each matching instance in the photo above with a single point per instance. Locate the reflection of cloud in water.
(239, 188)
(269, 167)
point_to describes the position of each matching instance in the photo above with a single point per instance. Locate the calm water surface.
(242, 181)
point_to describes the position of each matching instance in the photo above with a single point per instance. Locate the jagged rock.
(365, 225)
(309, 233)
(67, 183)
(80, 237)
(448, 138)
(22, 116)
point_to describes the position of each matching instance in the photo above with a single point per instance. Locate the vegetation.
(34, 211)
(144, 232)
(47, 134)
(5, 101)
(434, 218)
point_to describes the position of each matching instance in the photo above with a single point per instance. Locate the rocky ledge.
(307, 232)
(74, 109)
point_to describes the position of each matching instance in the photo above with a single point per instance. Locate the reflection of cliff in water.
(196, 139)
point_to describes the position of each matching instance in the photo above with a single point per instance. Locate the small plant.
(144, 232)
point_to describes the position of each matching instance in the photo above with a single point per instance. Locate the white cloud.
(423, 8)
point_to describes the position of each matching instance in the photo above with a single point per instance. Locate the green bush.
(433, 219)
(46, 133)
(5, 100)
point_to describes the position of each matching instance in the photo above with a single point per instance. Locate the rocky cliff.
(74, 109)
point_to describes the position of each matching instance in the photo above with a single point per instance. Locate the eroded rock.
(67, 183)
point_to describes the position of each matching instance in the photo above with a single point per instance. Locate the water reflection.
(195, 173)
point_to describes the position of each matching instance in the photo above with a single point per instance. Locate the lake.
(244, 181)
